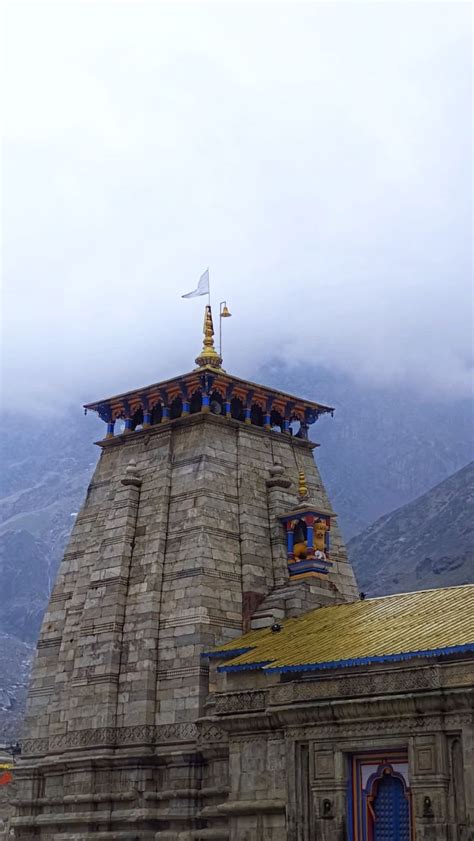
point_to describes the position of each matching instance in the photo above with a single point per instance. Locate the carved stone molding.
(208, 732)
(372, 683)
(367, 684)
(365, 710)
(122, 736)
(258, 738)
(240, 702)
(369, 728)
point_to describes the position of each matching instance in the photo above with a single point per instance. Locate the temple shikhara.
(207, 668)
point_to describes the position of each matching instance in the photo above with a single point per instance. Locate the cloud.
(316, 156)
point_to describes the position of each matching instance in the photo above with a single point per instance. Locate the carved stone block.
(323, 764)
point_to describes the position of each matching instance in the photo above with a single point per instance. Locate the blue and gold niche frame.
(308, 541)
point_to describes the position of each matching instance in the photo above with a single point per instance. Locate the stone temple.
(206, 668)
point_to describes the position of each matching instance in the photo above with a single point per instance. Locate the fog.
(316, 157)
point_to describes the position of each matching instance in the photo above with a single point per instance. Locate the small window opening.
(237, 409)
(256, 415)
(176, 408)
(156, 414)
(276, 421)
(137, 419)
(196, 403)
(216, 404)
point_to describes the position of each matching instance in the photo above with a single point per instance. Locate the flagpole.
(220, 329)
(209, 288)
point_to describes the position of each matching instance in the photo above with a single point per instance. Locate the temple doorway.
(390, 810)
(380, 797)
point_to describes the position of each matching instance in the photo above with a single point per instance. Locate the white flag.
(202, 287)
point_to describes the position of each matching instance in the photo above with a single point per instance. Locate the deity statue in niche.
(320, 529)
(309, 537)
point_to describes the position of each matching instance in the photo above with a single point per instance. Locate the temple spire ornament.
(209, 356)
(302, 486)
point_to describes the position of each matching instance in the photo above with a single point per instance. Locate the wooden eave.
(192, 381)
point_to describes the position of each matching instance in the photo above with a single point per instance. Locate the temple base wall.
(269, 762)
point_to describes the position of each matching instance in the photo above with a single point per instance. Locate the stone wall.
(290, 746)
(176, 536)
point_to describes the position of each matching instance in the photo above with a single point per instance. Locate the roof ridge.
(413, 592)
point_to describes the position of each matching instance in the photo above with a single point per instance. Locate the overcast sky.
(317, 157)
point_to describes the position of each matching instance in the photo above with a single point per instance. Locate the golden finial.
(209, 355)
(302, 487)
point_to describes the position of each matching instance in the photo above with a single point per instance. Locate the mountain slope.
(16, 658)
(384, 447)
(427, 543)
(46, 465)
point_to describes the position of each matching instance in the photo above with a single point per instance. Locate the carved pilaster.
(277, 487)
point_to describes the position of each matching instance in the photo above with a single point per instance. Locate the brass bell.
(225, 312)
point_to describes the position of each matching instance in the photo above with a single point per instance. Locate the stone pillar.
(254, 526)
(290, 539)
(138, 674)
(256, 808)
(98, 650)
(467, 746)
(309, 520)
(277, 487)
(429, 787)
(328, 792)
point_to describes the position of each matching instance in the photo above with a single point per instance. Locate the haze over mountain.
(427, 543)
(293, 148)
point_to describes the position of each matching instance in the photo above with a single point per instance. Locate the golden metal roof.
(398, 627)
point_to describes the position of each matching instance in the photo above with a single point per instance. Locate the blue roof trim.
(226, 655)
(357, 661)
(311, 565)
(244, 667)
(383, 658)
